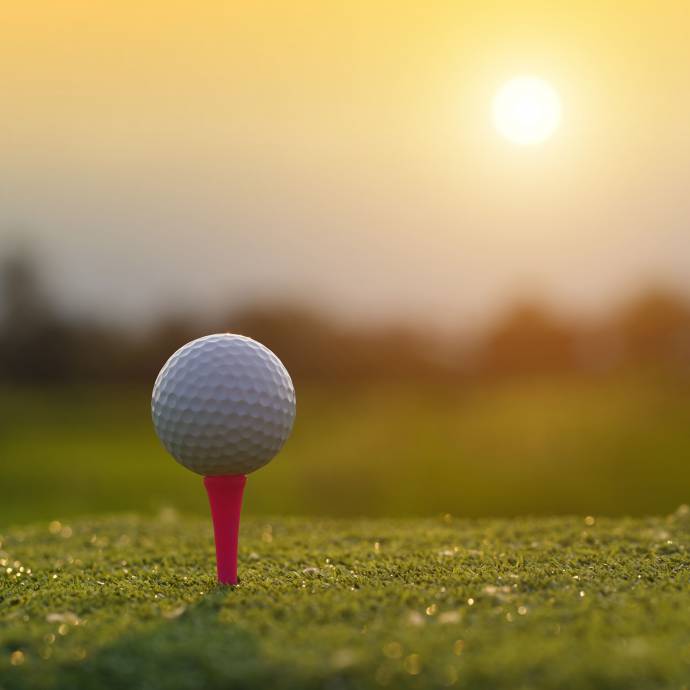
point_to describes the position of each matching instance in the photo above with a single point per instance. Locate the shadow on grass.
(196, 651)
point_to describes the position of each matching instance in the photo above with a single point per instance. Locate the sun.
(527, 110)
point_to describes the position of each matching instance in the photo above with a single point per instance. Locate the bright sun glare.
(526, 110)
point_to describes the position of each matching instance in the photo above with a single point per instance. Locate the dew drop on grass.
(392, 650)
(413, 664)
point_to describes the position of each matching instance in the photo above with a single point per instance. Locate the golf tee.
(225, 499)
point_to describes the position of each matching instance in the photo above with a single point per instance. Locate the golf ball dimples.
(223, 404)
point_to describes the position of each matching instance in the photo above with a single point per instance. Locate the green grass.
(607, 446)
(528, 604)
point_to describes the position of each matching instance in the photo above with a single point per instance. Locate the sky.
(163, 156)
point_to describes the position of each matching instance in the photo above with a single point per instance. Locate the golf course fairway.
(131, 602)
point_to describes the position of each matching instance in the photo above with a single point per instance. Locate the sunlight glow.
(526, 110)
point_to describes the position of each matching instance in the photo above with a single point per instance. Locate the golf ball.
(223, 404)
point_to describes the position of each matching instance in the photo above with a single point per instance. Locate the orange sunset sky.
(164, 155)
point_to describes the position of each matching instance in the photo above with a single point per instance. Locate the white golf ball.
(223, 404)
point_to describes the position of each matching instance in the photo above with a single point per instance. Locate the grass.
(616, 445)
(528, 604)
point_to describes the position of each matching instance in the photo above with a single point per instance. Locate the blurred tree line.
(38, 344)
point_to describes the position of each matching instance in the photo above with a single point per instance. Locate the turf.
(529, 604)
